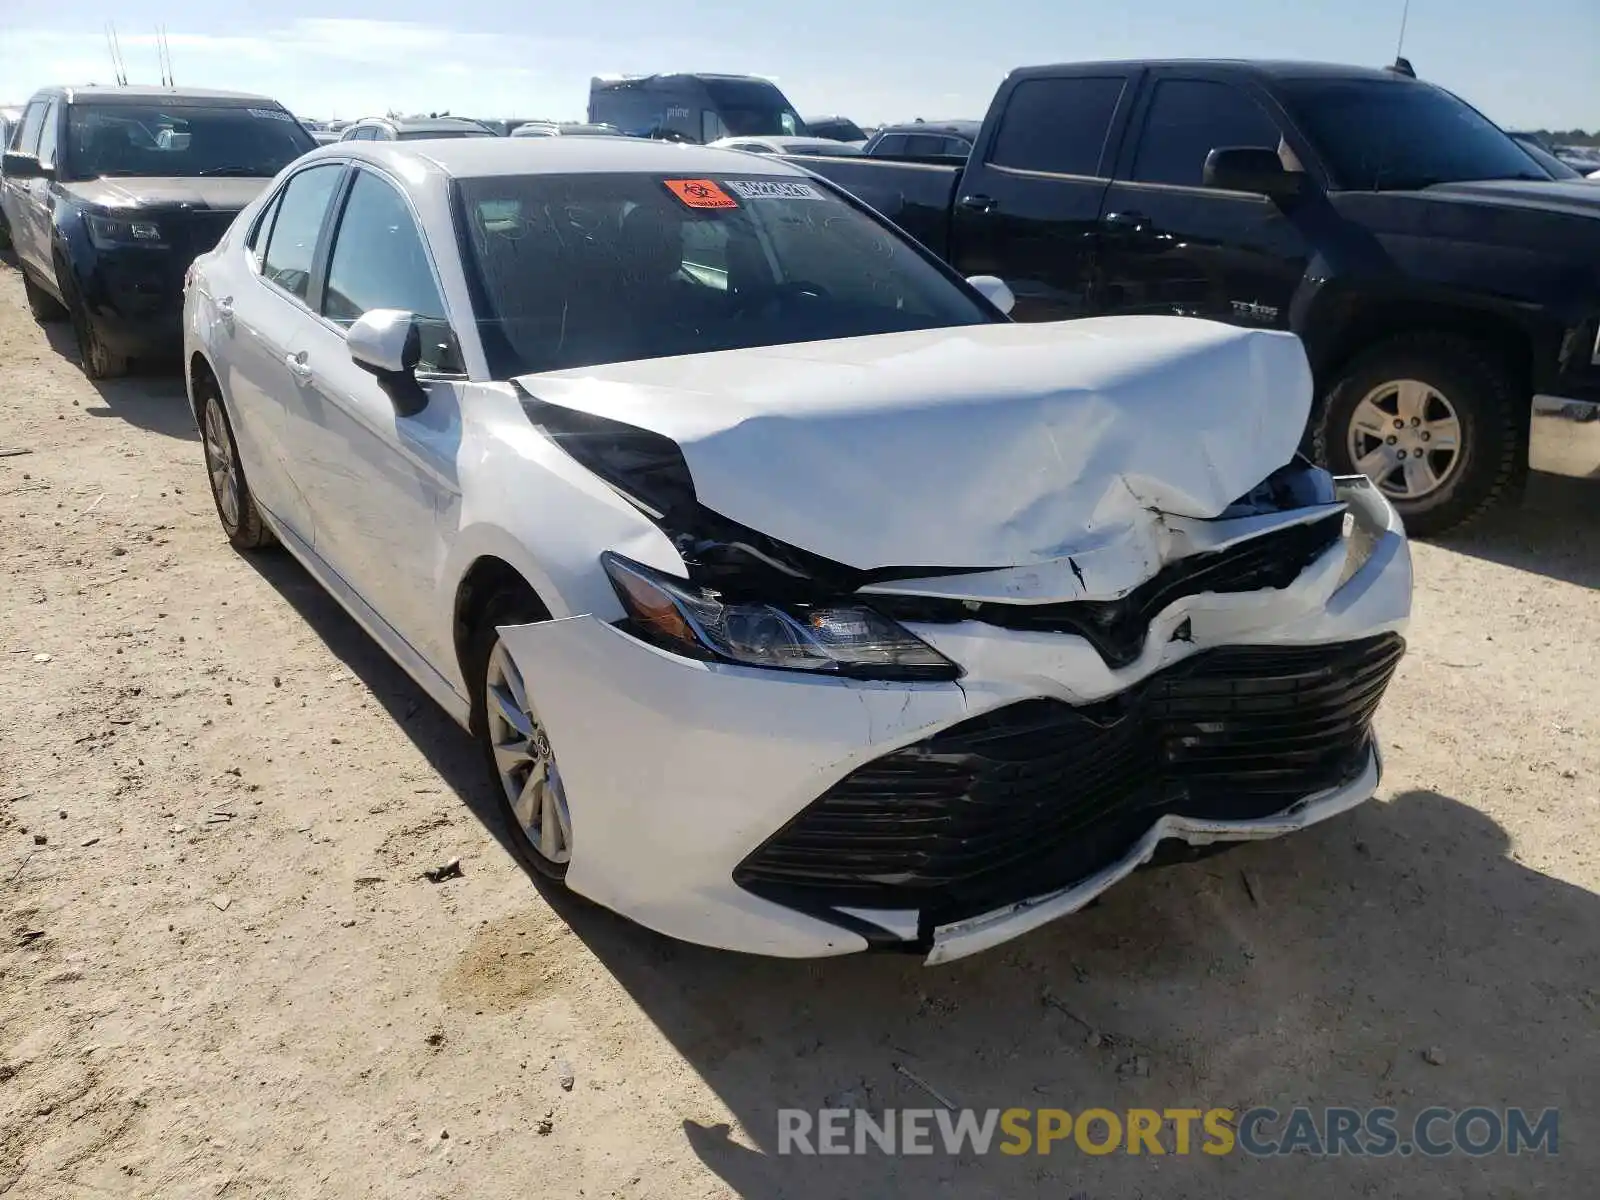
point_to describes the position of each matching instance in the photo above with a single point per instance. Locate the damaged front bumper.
(725, 805)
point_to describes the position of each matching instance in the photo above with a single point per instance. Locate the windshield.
(183, 141)
(1556, 168)
(577, 270)
(753, 108)
(1378, 134)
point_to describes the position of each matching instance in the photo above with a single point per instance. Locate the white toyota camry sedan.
(800, 600)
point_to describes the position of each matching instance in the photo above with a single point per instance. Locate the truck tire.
(97, 359)
(1436, 421)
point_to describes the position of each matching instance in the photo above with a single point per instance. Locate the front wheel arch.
(482, 585)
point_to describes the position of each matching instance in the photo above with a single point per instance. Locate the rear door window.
(1188, 119)
(1058, 125)
(292, 244)
(891, 144)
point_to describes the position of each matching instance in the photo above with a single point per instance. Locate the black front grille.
(1117, 628)
(1040, 794)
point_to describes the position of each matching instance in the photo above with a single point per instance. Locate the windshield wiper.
(253, 171)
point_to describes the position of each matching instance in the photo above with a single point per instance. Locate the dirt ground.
(223, 971)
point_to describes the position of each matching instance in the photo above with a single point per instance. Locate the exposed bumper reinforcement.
(1564, 437)
(962, 938)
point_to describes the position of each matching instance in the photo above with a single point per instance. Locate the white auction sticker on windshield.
(773, 189)
(272, 114)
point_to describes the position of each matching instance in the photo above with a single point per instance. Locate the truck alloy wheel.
(1405, 436)
(1434, 421)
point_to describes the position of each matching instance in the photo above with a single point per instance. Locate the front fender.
(526, 502)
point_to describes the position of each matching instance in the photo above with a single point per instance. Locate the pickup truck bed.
(1446, 289)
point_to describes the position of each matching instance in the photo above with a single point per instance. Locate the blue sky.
(1530, 63)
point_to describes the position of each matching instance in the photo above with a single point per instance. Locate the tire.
(1371, 415)
(512, 606)
(5, 234)
(236, 507)
(46, 309)
(94, 356)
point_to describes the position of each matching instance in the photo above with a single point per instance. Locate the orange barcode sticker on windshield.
(700, 193)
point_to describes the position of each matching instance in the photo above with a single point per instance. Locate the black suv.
(111, 192)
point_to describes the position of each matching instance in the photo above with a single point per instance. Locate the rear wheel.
(1434, 420)
(236, 508)
(45, 308)
(516, 747)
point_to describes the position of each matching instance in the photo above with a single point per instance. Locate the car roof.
(143, 94)
(472, 158)
(1259, 68)
(415, 123)
(966, 129)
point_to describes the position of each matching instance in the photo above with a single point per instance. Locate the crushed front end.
(780, 742)
(1229, 696)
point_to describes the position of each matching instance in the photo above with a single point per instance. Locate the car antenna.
(166, 55)
(118, 68)
(1401, 64)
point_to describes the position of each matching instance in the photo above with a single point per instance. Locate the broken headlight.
(1364, 522)
(835, 639)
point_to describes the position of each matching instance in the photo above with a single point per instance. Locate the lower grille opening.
(1040, 794)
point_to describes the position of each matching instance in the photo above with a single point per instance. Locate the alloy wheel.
(222, 465)
(1405, 436)
(525, 762)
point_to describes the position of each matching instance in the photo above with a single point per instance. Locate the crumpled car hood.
(978, 447)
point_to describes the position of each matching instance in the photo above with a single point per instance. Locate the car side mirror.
(387, 343)
(993, 289)
(17, 165)
(1251, 169)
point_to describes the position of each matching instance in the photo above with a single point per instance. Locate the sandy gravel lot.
(223, 974)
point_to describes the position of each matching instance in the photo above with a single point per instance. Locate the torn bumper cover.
(798, 815)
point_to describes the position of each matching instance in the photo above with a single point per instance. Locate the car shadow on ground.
(1554, 532)
(1397, 956)
(448, 749)
(151, 396)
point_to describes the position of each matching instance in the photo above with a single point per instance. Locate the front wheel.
(516, 747)
(97, 359)
(1435, 422)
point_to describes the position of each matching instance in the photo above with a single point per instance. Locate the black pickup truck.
(1446, 288)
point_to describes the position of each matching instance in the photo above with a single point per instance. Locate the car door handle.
(979, 204)
(298, 366)
(1126, 222)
